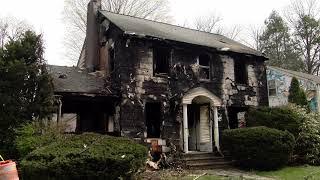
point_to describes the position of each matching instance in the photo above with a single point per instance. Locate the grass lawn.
(293, 173)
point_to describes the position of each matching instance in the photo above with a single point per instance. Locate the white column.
(318, 98)
(59, 114)
(185, 128)
(216, 128)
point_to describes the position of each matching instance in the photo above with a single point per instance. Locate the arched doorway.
(200, 120)
(200, 125)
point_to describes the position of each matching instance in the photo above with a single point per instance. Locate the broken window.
(111, 59)
(272, 87)
(204, 66)
(161, 57)
(240, 71)
(153, 119)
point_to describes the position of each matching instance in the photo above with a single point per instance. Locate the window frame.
(275, 88)
(155, 60)
(240, 67)
(208, 67)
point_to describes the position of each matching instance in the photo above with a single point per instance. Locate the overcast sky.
(46, 16)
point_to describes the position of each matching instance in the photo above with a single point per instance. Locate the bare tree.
(208, 23)
(11, 29)
(303, 16)
(75, 18)
(212, 23)
(253, 37)
(232, 32)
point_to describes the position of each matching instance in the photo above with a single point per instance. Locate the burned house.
(149, 80)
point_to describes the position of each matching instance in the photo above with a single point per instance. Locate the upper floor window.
(161, 57)
(204, 66)
(272, 87)
(240, 71)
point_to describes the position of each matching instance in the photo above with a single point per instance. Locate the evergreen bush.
(297, 94)
(282, 118)
(86, 156)
(259, 147)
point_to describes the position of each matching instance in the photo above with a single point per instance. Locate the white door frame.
(215, 102)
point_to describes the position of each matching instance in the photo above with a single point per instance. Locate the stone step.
(200, 154)
(195, 158)
(205, 160)
(209, 165)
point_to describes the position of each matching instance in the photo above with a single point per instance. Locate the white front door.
(205, 129)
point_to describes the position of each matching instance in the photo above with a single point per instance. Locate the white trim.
(185, 128)
(216, 128)
(200, 91)
(214, 102)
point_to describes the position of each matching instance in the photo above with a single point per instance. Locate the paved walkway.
(234, 173)
(195, 174)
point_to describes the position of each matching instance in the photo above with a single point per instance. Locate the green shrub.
(86, 156)
(305, 125)
(297, 94)
(35, 134)
(307, 147)
(282, 118)
(258, 147)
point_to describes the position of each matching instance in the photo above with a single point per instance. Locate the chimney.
(92, 36)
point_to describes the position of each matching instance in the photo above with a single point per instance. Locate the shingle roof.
(142, 27)
(74, 80)
(297, 74)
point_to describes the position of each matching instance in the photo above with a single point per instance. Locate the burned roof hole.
(62, 76)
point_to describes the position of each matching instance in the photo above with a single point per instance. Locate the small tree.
(26, 89)
(296, 94)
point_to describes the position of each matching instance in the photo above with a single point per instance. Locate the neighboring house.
(279, 81)
(158, 82)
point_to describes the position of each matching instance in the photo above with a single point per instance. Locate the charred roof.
(75, 80)
(146, 28)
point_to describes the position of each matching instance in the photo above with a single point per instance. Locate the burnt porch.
(87, 97)
(93, 113)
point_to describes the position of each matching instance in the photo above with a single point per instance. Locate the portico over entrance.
(200, 120)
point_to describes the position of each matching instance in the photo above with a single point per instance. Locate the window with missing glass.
(204, 66)
(240, 71)
(272, 87)
(161, 58)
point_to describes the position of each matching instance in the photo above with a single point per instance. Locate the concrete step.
(211, 158)
(200, 154)
(208, 163)
(205, 160)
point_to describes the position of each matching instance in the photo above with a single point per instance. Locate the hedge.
(86, 156)
(258, 147)
(282, 118)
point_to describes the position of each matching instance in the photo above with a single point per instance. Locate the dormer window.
(204, 67)
(161, 57)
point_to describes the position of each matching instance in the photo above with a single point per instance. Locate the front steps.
(205, 160)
